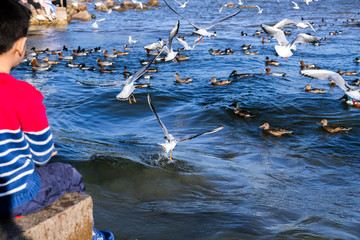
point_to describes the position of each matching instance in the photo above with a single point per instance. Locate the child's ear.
(20, 46)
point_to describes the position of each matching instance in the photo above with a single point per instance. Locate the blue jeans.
(56, 180)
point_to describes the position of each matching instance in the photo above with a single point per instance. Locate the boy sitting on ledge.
(26, 143)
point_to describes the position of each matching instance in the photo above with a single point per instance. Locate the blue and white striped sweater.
(19, 151)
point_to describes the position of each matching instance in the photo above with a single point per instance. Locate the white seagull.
(129, 87)
(171, 142)
(186, 45)
(170, 51)
(182, 5)
(307, 1)
(138, 2)
(286, 22)
(203, 31)
(95, 25)
(154, 46)
(296, 6)
(284, 49)
(260, 9)
(353, 92)
(131, 41)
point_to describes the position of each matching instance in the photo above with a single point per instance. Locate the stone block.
(70, 218)
(83, 15)
(128, 5)
(153, 3)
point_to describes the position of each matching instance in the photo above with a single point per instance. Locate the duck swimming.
(333, 129)
(182, 80)
(246, 47)
(104, 63)
(119, 53)
(216, 52)
(263, 40)
(152, 70)
(271, 62)
(70, 64)
(235, 74)
(347, 73)
(61, 57)
(39, 66)
(51, 62)
(182, 58)
(241, 112)
(307, 66)
(251, 53)
(313, 90)
(274, 131)
(79, 54)
(83, 67)
(102, 70)
(219, 83)
(126, 73)
(279, 74)
(106, 54)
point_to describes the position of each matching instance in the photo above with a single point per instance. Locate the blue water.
(234, 184)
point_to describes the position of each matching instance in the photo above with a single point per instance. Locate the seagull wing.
(188, 137)
(275, 33)
(220, 20)
(98, 85)
(101, 20)
(295, 4)
(141, 72)
(304, 38)
(285, 22)
(181, 15)
(196, 41)
(309, 24)
(186, 46)
(173, 33)
(221, 8)
(328, 75)
(178, 2)
(160, 122)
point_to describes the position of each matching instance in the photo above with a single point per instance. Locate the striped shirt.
(25, 141)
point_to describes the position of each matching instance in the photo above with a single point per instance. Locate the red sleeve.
(32, 113)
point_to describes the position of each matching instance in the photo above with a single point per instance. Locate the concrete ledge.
(71, 217)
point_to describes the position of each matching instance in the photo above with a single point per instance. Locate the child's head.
(14, 23)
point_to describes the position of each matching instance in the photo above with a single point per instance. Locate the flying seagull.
(129, 87)
(171, 142)
(186, 45)
(284, 49)
(95, 25)
(182, 5)
(170, 51)
(286, 22)
(203, 31)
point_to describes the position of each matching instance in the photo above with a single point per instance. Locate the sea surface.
(238, 183)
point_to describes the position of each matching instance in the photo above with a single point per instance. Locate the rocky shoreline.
(79, 11)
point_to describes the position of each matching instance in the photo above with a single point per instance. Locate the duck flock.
(278, 35)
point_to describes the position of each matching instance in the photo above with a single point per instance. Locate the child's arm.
(36, 128)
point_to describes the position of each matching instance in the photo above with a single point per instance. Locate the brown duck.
(332, 128)
(182, 80)
(219, 83)
(274, 131)
(313, 90)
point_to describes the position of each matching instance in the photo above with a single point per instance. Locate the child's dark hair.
(14, 23)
